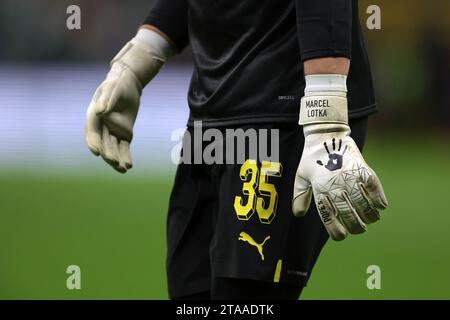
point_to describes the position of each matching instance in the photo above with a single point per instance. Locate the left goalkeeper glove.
(347, 191)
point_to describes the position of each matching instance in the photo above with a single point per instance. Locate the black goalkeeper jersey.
(248, 55)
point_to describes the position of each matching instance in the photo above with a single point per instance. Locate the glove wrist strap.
(325, 100)
(323, 107)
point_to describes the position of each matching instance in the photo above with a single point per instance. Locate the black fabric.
(325, 27)
(189, 232)
(170, 17)
(204, 231)
(244, 289)
(247, 57)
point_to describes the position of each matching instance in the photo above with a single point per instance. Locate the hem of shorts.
(192, 288)
(221, 270)
(274, 118)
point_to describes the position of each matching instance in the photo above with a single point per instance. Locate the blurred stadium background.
(56, 207)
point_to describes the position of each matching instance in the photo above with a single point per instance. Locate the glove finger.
(121, 123)
(348, 215)
(328, 215)
(93, 126)
(375, 192)
(108, 97)
(114, 143)
(125, 154)
(109, 151)
(302, 196)
(364, 206)
(93, 132)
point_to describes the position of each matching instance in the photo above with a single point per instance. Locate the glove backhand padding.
(347, 191)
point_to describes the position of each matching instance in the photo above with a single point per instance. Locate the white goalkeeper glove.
(114, 107)
(347, 191)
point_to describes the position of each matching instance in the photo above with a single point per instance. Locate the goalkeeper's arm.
(347, 192)
(114, 107)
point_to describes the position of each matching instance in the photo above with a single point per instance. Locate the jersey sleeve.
(324, 28)
(171, 16)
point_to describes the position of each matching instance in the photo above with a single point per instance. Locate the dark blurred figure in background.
(436, 54)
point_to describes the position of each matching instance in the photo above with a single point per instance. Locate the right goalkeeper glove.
(114, 107)
(347, 191)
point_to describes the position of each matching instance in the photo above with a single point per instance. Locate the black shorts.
(236, 221)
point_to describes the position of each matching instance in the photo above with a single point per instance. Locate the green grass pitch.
(114, 229)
